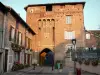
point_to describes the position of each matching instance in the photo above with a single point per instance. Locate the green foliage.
(26, 65)
(80, 60)
(95, 62)
(18, 66)
(87, 62)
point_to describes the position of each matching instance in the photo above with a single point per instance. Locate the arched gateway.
(46, 57)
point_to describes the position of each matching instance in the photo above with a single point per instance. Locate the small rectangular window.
(87, 36)
(17, 24)
(68, 19)
(19, 38)
(48, 7)
(26, 41)
(12, 34)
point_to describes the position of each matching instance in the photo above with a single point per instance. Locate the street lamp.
(74, 44)
(74, 41)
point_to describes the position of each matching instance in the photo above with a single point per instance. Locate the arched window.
(53, 22)
(40, 23)
(48, 26)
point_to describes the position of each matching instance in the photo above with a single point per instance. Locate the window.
(28, 42)
(87, 36)
(12, 34)
(17, 24)
(49, 8)
(40, 23)
(19, 38)
(69, 35)
(68, 19)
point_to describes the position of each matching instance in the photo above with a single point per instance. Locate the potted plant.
(87, 62)
(80, 62)
(95, 62)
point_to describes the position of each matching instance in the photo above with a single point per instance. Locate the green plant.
(80, 62)
(26, 65)
(87, 62)
(17, 66)
(21, 66)
(58, 61)
(14, 68)
(95, 62)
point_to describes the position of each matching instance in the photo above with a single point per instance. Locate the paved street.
(45, 71)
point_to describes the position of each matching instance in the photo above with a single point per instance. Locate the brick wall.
(58, 13)
(92, 41)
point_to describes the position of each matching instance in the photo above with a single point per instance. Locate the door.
(1, 63)
(6, 59)
(28, 59)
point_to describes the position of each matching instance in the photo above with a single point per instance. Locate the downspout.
(1, 65)
(25, 49)
(3, 38)
(54, 40)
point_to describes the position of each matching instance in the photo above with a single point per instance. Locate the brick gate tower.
(55, 24)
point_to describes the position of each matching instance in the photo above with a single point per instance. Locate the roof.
(92, 31)
(16, 15)
(54, 4)
(3, 8)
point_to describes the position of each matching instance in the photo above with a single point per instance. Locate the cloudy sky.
(91, 9)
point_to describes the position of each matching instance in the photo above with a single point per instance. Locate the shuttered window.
(69, 35)
(12, 34)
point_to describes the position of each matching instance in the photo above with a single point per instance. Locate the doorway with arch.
(46, 57)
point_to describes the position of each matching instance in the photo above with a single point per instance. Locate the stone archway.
(46, 57)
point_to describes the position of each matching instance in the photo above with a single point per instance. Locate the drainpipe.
(54, 42)
(1, 65)
(3, 39)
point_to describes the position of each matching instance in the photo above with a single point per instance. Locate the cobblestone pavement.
(46, 71)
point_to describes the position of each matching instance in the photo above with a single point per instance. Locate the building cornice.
(71, 3)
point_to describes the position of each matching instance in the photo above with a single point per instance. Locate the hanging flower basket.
(12, 45)
(94, 62)
(87, 62)
(80, 62)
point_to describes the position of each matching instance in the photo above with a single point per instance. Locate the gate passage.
(46, 57)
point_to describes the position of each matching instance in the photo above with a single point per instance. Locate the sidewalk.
(28, 70)
(37, 70)
(46, 70)
(65, 70)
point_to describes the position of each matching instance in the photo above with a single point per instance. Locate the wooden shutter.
(10, 33)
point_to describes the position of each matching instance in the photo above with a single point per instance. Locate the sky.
(91, 10)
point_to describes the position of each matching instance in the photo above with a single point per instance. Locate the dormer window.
(48, 7)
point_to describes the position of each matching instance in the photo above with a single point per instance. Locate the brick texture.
(49, 26)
